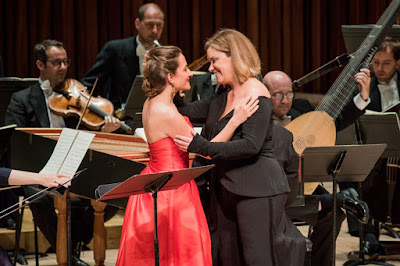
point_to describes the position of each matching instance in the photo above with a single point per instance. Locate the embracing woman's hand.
(246, 108)
(184, 142)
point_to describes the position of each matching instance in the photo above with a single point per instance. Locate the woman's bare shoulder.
(256, 88)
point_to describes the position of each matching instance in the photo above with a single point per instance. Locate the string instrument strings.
(344, 86)
(87, 105)
(317, 128)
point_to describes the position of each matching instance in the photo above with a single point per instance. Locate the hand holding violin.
(111, 124)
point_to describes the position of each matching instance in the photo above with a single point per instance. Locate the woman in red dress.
(184, 237)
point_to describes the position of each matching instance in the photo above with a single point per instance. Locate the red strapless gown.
(184, 238)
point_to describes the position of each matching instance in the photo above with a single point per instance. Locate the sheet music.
(386, 114)
(69, 152)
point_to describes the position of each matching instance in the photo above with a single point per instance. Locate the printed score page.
(69, 152)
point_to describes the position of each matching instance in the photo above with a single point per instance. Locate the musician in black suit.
(119, 61)
(318, 209)
(29, 108)
(384, 92)
(385, 85)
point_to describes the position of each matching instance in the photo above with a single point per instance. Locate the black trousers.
(352, 222)
(253, 231)
(322, 238)
(321, 235)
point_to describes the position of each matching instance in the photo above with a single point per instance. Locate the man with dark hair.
(29, 108)
(384, 92)
(119, 61)
(386, 83)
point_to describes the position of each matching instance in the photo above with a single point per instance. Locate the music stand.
(150, 183)
(373, 128)
(341, 163)
(136, 98)
(354, 35)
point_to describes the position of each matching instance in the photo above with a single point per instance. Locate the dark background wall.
(295, 36)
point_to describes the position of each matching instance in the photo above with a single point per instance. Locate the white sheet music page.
(69, 152)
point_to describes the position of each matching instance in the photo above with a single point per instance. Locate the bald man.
(286, 108)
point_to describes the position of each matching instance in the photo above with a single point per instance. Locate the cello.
(317, 128)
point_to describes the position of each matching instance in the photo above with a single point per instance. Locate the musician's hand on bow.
(53, 180)
(110, 124)
(363, 78)
(183, 142)
(246, 108)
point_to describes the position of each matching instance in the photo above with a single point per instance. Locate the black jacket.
(375, 95)
(27, 108)
(116, 66)
(245, 165)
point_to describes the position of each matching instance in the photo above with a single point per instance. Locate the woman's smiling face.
(221, 66)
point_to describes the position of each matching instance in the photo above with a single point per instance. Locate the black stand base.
(365, 262)
(22, 254)
(392, 232)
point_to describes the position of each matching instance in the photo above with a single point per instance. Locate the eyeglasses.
(58, 62)
(279, 95)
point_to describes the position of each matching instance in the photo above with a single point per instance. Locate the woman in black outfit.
(248, 225)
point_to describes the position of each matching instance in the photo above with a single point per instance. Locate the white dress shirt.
(389, 93)
(56, 121)
(141, 52)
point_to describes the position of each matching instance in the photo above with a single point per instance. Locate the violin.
(71, 99)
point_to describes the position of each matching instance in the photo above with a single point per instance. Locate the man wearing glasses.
(29, 108)
(119, 61)
(318, 209)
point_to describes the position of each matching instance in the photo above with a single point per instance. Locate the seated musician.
(385, 91)
(29, 108)
(318, 209)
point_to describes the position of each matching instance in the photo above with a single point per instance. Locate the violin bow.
(42, 193)
(87, 105)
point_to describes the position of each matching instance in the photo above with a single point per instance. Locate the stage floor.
(345, 244)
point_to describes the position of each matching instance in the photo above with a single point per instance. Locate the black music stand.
(374, 128)
(340, 163)
(136, 98)
(150, 183)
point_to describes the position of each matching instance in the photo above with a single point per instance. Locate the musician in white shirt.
(384, 92)
(385, 85)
